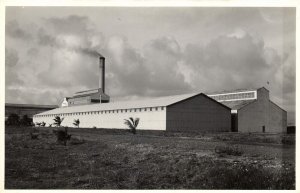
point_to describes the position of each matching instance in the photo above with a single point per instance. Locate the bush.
(62, 136)
(13, 119)
(26, 121)
(34, 133)
(229, 150)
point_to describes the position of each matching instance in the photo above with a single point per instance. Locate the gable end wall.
(198, 113)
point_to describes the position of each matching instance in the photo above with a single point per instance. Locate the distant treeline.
(15, 120)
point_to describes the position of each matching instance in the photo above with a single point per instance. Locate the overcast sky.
(149, 52)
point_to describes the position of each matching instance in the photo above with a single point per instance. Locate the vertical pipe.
(102, 74)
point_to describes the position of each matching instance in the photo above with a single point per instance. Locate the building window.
(150, 108)
(162, 108)
(145, 109)
(156, 108)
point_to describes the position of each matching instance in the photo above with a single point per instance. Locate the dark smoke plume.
(90, 52)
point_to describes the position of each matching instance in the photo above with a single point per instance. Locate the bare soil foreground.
(114, 159)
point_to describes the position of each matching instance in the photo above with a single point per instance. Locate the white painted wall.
(149, 120)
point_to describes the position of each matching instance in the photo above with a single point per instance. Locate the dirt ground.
(103, 159)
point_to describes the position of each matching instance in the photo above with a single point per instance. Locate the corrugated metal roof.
(236, 105)
(154, 102)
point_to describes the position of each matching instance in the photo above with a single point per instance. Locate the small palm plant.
(132, 124)
(57, 121)
(76, 122)
(43, 124)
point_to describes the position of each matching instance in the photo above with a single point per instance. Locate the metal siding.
(251, 118)
(198, 114)
(277, 118)
(254, 116)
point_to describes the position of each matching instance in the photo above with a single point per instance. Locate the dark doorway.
(234, 122)
(263, 129)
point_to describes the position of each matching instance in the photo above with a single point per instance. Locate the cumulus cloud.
(11, 68)
(228, 62)
(13, 29)
(61, 57)
(67, 61)
(162, 58)
(154, 72)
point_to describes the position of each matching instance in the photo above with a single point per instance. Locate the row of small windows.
(234, 96)
(105, 112)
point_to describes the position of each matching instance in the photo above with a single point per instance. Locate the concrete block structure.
(190, 112)
(253, 111)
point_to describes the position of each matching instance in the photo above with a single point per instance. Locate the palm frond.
(132, 123)
(132, 120)
(136, 122)
(129, 124)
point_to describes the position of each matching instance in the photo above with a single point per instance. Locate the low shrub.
(229, 150)
(34, 133)
(62, 135)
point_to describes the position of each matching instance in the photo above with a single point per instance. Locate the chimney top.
(100, 55)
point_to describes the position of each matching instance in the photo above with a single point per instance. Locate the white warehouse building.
(189, 112)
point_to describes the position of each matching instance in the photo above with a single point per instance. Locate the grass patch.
(115, 161)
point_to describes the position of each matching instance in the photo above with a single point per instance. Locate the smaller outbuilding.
(189, 112)
(253, 111)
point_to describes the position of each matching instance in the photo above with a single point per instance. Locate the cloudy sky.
(149, 52)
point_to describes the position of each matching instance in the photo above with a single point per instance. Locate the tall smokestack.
(102, 74)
